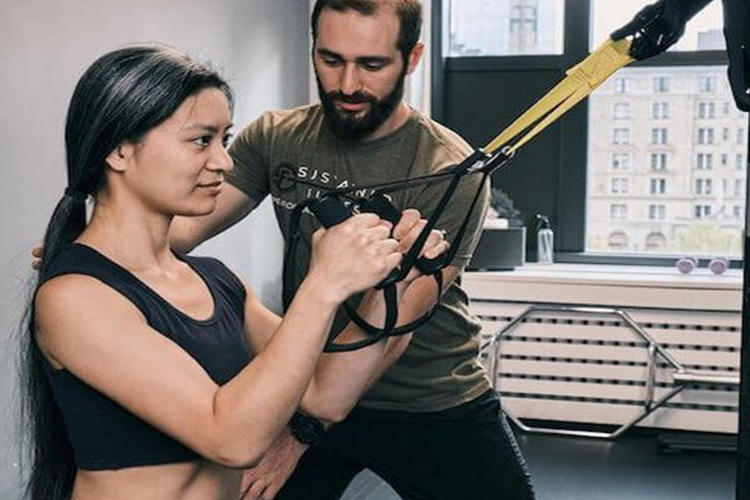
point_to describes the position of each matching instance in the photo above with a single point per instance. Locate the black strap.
(478, 162)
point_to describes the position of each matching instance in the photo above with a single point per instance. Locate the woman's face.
(178, 167)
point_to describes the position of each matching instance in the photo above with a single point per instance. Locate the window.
(621, 136)
(705, 136)
(657, 212)
(622, 85)
(706, 110)
(622, 111)
(620, 185)
(659, 136)
(737, 212)
(740, 136)
(707, 84)
(523, 25)
(658, 161)
(618, 241)
(739, 187)
(658, 186)
(661, 84)
(504, 27)
(705, 161)
(660, 110)
(585, 152)
(618, 211)
(655, 241)
(703, 187)
(739, 162)
(702, 211)
(620, 161)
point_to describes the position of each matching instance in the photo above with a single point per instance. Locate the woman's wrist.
(317, 291)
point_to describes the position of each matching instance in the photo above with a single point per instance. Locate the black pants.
(464, 453)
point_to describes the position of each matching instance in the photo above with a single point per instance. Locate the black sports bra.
(103, 434)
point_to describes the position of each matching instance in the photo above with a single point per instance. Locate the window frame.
(572, 168)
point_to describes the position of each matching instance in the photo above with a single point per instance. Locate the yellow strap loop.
(582, 79)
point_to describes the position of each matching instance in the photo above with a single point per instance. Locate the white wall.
(260, 45)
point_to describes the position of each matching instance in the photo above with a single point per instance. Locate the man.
(429, 424)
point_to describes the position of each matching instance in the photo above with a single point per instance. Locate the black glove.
(658, 26)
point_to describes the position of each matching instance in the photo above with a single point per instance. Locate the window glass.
(504, 27)
(686, 143)
(703, 32)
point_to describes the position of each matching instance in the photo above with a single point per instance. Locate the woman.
(155, 375)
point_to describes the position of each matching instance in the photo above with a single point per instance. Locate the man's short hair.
(409, 13)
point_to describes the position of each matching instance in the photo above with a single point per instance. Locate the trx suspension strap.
(330, 209)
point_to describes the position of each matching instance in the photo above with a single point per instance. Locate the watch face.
(306, 430)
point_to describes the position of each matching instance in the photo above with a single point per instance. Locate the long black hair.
(119, 98)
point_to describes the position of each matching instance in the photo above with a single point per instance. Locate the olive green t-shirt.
(440, 368)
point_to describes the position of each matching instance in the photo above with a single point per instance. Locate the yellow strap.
(582, 79)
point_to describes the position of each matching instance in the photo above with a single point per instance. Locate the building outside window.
(657, 212)
(661, 84)
(622, 85)
(627, 134)
(702, 211)
(618, 211)
(703, 187)
(658, 161)
(705, 136)
(660, 111)
(620, 185)
(622, 111)
(618, 241)
(707, 84)
(659, 136)
(656, 241)
(657, 186)
(621, 136)
(620, 161)
(504, 27)
(705, 161)
(706, 110)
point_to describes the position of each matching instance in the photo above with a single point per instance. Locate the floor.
(632, 468)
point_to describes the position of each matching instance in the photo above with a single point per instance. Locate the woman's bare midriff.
(198, 480)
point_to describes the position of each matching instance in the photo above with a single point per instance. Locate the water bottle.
(545, 239)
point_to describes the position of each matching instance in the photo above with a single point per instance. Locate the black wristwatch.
(306, 429)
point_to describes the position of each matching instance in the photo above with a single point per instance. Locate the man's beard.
(353, 127)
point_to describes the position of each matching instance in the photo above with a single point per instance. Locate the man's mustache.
(356, 98)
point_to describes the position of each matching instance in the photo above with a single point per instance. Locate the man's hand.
(264, 481)
(36, 258)
(407, 231)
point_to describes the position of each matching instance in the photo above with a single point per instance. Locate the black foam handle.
(330, 211)
(379, 205)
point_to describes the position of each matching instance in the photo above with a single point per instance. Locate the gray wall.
(260, 45)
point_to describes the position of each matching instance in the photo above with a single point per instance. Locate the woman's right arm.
(89, 329)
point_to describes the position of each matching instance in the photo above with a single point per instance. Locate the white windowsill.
(602, 285)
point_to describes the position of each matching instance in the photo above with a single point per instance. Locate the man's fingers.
(37, 252)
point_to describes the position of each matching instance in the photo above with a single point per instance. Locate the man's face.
(360, 71)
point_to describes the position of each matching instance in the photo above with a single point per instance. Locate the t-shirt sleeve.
(455, 212)
(249, 151)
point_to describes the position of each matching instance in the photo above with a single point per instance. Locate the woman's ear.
(120, 158)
